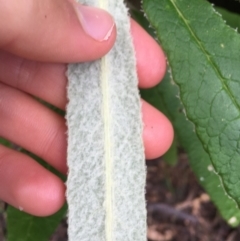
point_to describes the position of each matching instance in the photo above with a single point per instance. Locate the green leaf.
(199, 160)
(25, 227)
(171, 156)
(204, 57)
(232, 19)
(4, 142)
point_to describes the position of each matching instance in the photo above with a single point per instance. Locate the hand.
(36, 40)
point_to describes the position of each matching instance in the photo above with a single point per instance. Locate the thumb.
(55, 30)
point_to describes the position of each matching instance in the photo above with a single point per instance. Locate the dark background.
(231, 5)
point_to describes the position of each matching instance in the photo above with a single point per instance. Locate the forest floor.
(178, 208)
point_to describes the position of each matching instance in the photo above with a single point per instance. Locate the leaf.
(106, 181)
(164, 97)
(203, 54)
(25, 227)
(199, 160)
(4, 142)
(171, 156)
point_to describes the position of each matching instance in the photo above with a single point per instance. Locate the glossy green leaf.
(25, 227)
(164, 98)
(199, 160)
(204, 57)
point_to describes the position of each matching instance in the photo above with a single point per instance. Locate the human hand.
(36, 42)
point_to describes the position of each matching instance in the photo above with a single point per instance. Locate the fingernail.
(96, 22)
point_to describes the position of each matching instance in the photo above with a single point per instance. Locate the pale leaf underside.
(106, 181)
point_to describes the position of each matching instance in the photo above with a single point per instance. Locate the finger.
(31, 125)
(27, 186)
(158, 132)
(55, 31)
(27, 181)
(48, 81)
(151, 61)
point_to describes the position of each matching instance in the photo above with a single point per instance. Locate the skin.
(33, 64)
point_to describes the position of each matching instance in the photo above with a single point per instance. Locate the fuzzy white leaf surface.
(107, 173)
